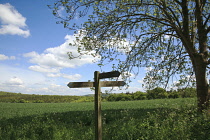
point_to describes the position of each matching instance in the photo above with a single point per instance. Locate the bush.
(120, 97)
(162, 95)
(187, 92)
(157, 93)
(111, 97)
(38, 101)
(138, 95)
(123, 97)
(173, 94)
(23, 101)
(184, 93)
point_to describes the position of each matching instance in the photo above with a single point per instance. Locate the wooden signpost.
(97, 84)
(91, 84)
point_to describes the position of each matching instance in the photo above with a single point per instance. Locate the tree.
(138, 95)
(187, 92)
(170, 37)
(157, 93)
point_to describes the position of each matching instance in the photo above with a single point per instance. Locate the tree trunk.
(203, 92)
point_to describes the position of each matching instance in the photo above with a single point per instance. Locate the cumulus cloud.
(17, 79)
(4, 57)
(70, 77)
(44, 69)
(14, 81)
(52, 60)
(57, 56)
(12, 22)
(20, 80)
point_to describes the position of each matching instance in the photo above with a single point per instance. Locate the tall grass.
(175, 119)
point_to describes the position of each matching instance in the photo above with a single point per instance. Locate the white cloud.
(57, 56)
(54, 75)
(70, 77)
(4, 57)
(12, 22)
(141, 81)
(31, 54)
(44, 69)
(28, 77)
(52, 60)
(55, 89)
(15, 81)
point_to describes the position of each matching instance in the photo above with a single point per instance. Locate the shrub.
(173, 94)
(111, 97)
(38, 101)
(156, 93)
(120, 97)
(23, 101)
(138, 95)
(187, 92)
(162, 95)
(123, 97)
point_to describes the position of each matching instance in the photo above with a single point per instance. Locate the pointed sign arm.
(91, 84)
(109, 74)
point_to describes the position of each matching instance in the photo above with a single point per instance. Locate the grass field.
(161, 119)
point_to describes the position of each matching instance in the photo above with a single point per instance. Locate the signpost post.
(98, 122)
(97, 84)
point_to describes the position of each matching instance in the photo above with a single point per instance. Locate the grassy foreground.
(162, 119)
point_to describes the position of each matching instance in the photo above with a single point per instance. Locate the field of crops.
(161, 119)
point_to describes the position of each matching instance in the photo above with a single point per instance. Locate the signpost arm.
(98, 122)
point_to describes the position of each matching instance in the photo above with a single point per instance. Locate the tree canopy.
(169, 37)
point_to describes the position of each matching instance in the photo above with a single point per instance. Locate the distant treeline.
(157, 93)
(31, 98)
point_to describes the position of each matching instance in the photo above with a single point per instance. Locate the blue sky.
(33, 52)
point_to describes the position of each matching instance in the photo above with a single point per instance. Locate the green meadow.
(159, 119)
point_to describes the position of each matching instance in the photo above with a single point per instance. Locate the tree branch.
(208, 29)
(207, 20)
